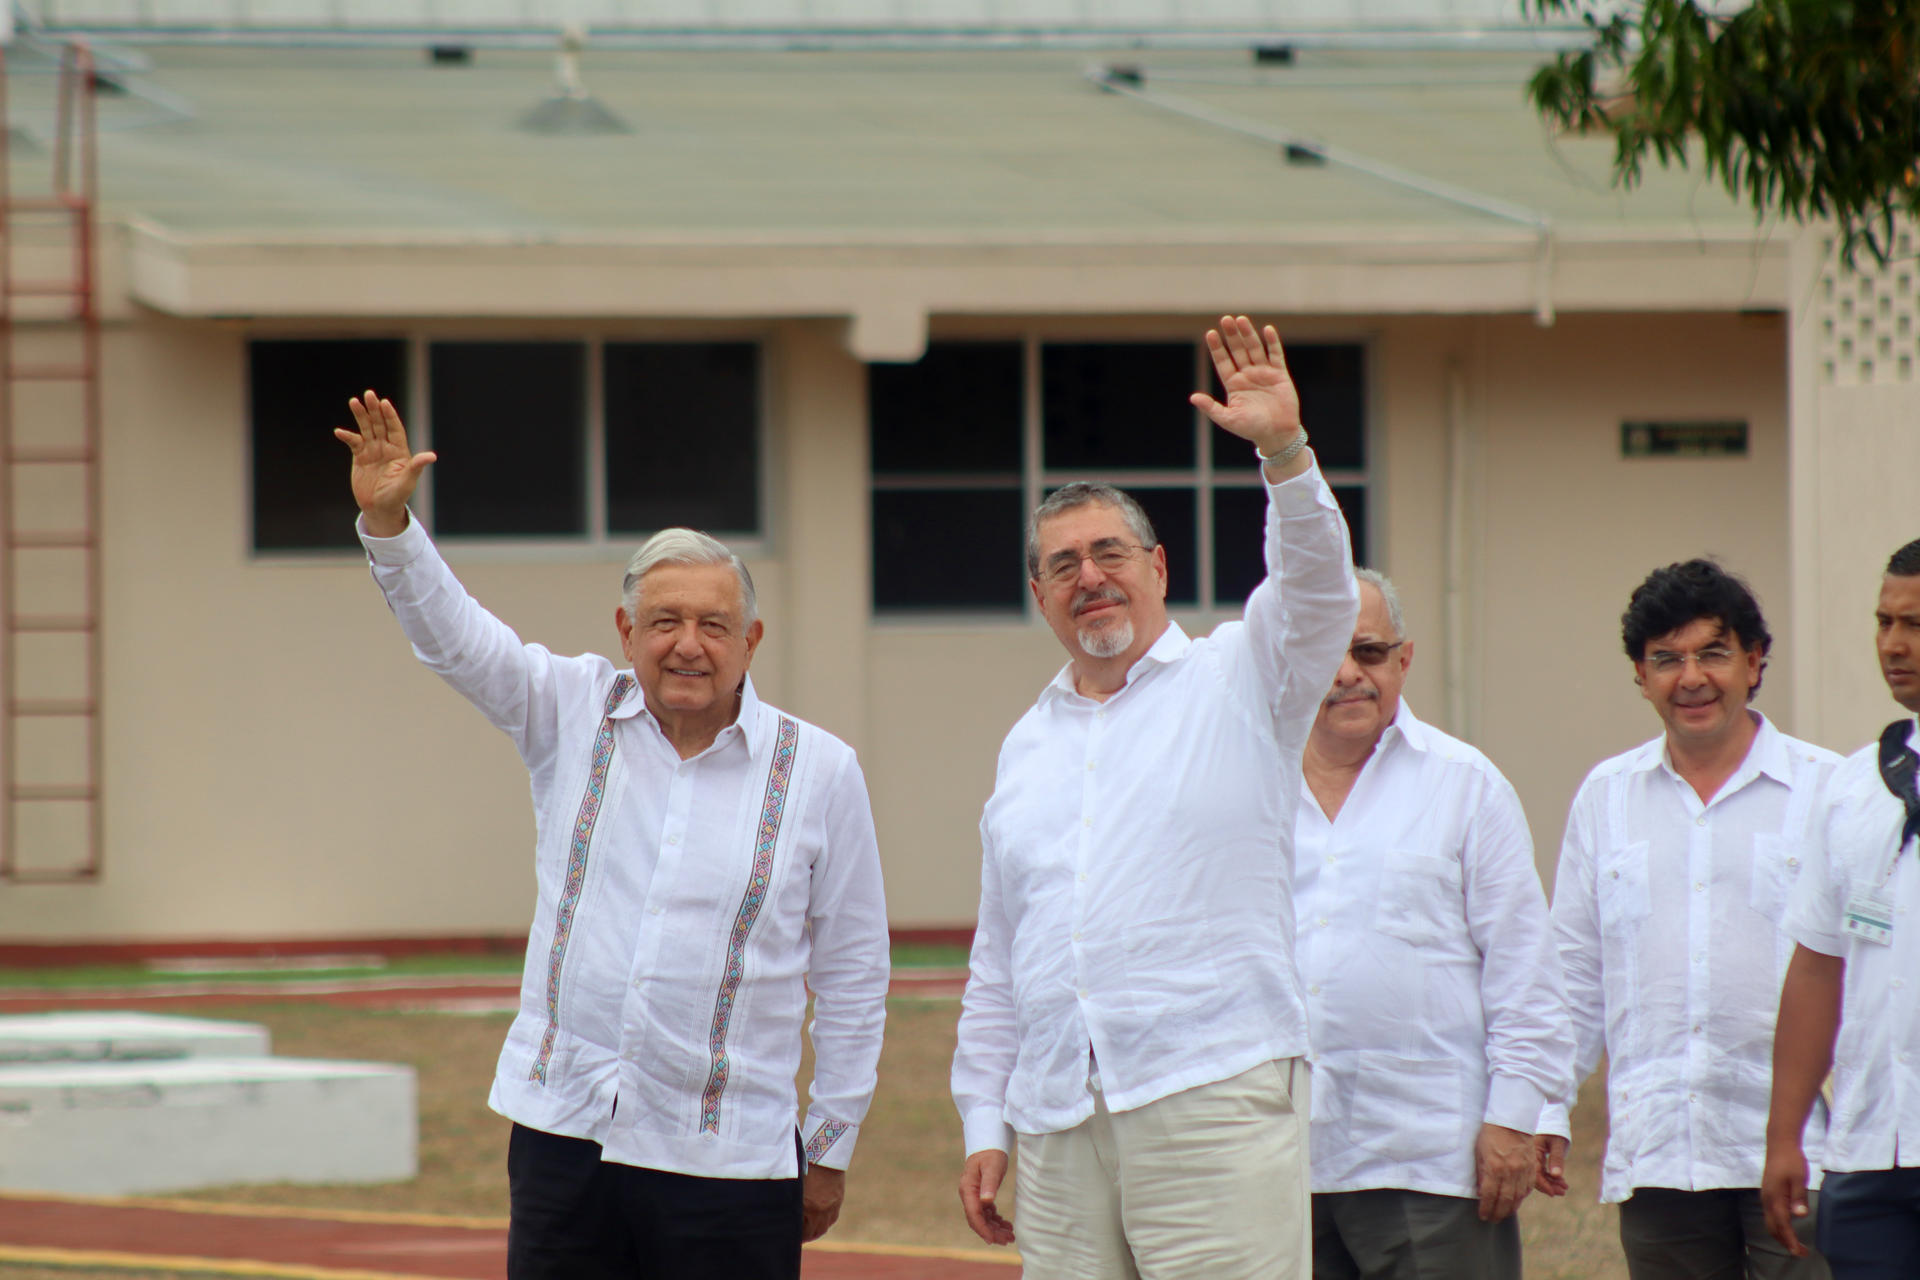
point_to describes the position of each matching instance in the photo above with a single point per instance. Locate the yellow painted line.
(1004, 1257)
(190, 1266)
(372, 1216)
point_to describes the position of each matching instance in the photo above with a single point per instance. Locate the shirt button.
(673, 839)
(1084, 993)
(1101, 714)
(1700, 821)
(1793, 862)
(1076, 935)
(1699, 885)
(1315, 988)
(1696, 1028)
(1082, 877)
(1089, 766)
(653, 911)
(1330, 859)
(1699, 957)
(1693, 1097)
(1323, 922)
(1616, 875)
(1898, 983)
(1086, 822)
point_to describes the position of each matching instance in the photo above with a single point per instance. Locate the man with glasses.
(1439, 1023)
(1133, 1014)
(1678, 863)
(1854, 920)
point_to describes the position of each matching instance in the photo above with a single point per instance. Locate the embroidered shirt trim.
(577, 869)
(772, 808)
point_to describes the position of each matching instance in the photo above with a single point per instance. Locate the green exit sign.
(1683, 439)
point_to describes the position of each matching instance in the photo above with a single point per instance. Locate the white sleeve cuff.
(829, 1143)
(1553, 1120)
(402, 548)
(1515, 1103)
(986, 1131)
(1300, 495)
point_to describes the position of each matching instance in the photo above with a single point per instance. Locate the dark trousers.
(1410, 1235)
(1870, 1224)
(577, 1217)
(1722, 1234)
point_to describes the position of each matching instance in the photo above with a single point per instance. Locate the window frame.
(1202, 479)
(596, 544)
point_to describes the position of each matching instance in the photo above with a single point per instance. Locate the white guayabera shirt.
(1432, 982)
(683, 908)
(1876, 1061)
(1136, 887)
(1668, 914)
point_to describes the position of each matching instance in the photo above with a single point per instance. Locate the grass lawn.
(901, 1187)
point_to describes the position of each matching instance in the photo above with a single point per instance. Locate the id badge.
(1870, 919)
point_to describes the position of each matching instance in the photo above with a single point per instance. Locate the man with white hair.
(1133, 1013)
(702, 859)
(1439, 1021)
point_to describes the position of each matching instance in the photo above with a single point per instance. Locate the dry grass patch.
(901, 1187)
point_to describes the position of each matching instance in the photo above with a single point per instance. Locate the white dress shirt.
(1667, 912)
(683, 907)
(1433, 989)
(1135, 890)
(1876, 1061)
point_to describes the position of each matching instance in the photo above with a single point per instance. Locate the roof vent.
(572, 109)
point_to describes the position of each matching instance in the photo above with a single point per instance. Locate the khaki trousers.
(1208, 1184)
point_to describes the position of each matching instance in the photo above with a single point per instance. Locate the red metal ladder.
(50, 588)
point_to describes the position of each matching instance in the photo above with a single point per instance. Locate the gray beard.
(1106, 642)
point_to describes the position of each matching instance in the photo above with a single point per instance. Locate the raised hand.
(385, 472)
(1262, 405)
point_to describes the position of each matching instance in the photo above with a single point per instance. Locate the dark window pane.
(683, 436)
(1239, 544)
(1116, 406)
(956, 409)
(1353, 505)
(297, 393)
(509, 424)
(1332, 381)
(1239, 538)
(948, 550)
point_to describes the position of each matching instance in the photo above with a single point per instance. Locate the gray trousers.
(1410, 1235)
(1710, 1235)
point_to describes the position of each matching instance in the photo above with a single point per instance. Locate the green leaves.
(1805, 108)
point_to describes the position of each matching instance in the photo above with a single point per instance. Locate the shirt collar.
(1409, 728)
(747, 722)
(1766, 754)
(1170, 647)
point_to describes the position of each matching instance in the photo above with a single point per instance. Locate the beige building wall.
(277, 765)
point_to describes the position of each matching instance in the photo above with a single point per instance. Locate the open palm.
(1262, 404)
(385, 470)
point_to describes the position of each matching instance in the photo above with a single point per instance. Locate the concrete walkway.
(188, 1236)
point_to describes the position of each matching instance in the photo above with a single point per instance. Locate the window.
(555, 441)
(298, 392)
(968, 440)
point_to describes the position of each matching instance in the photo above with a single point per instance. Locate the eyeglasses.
(1374, 653)
(1110, 556)
(1712, 658)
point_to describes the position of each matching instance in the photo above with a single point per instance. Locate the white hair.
(685, 547)
(1389, 594)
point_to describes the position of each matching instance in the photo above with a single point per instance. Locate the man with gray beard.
(1133, 1013)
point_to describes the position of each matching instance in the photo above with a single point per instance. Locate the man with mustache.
(1679, 860)
(1439, 1024)
(1856, 920)
(1133, 1021)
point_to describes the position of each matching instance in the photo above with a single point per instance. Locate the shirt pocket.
(1623, 893)
(1776, 869)
(1420, 897)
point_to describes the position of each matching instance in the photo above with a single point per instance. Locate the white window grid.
(597, 542)
(1869, 315)
(1037, 480)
